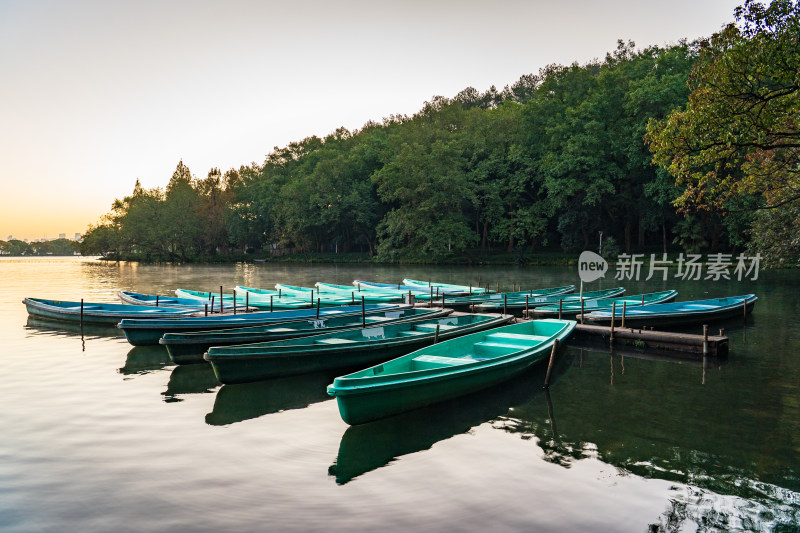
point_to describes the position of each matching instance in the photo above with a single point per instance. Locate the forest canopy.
(652, 147)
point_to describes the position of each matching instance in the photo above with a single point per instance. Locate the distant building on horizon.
(62, 235)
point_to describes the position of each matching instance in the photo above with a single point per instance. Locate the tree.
(740, 130)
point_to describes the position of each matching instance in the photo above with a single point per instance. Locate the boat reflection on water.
(366, 447)
(245, 401)
(145, 359)
(42, 326)
(190, 379)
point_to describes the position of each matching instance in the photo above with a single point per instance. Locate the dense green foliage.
(546, 163)
(735, 147)
(54, 247)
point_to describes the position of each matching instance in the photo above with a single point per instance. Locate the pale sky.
(95, 94)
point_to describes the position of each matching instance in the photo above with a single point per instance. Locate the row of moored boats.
(458, 338)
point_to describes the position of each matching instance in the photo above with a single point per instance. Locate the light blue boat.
(100, 313)
(136, 298)
(148, 332)
(679, 313)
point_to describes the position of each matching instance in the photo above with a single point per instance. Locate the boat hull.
(362, 398)
(99, 313)
(666, 319)
(189, 347)
(269, 360)
(148, 332)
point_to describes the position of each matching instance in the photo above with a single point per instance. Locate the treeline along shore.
(692, 146)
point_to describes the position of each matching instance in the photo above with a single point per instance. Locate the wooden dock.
(713, 345)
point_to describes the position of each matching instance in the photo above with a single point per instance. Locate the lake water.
(98, 436)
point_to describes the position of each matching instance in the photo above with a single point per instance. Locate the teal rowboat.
(466, 302)
(574, 308)
(369, 293)
(679, 313)
(448, 288)
(445, 370)
(101, 313)
(136, 298)
(188, 347)
(517, 305)
(269, 299)
(147, 332)
(341, 349)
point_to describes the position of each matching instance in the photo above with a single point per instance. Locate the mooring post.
(624, 306)
(220, 299)
(270, 302)
(705, 339)
(353, 297)
(279, 293)
(212, 306)
(81, 312)
(527, 310)
(442, 300)
(642, 299)
(156, 300)
(234, 301)
(318, 298)
(550, 364)
(431, 300)
(505, 303)
(363, 314)
(436, 335)
(581, 310)
(613, 313)
(206, 306)
(473, 307)
(470, 288)
(247, 302)
(498, 286)
(560, 304)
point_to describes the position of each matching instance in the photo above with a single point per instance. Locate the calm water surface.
(100, 436)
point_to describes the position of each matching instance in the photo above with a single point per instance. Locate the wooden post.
(581, 310)
(220, 299)
(318, 298)
(442, 300)
(624, 307)
(247, 302)
(613, 314)
(505, 304)
(705, 339)
(270, 302)
(642, 299)
(212, 306)
(560, 305)
(436, 335)
(279, 293)
(364, 314)
(473, 307)
(527, 310)
(156, 300)
(352, 298)
(470, 289)
(234, 301)
(498, 286)
(431, 300)
(206, 306)
(550, 364)
(81, 312)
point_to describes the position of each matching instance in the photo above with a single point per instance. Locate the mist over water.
(97, 435)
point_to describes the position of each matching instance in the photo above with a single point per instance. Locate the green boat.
(574, 308)
(445, 370)
(466, 302)
(189, 347)
(341, 349)
(517, 305)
